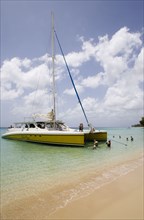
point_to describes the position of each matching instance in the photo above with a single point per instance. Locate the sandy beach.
(120, 199)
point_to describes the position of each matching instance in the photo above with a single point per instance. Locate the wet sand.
(120, 199)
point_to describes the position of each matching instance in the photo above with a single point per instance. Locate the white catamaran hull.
(56, 138)
(50, 137)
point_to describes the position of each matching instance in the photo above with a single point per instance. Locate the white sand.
(121, 199)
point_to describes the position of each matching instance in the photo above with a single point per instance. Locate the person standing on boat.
(92, 130)
(81, 127)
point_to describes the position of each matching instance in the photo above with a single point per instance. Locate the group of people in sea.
(131, 138)
(108, 143)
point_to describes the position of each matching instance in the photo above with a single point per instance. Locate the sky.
(103, 46)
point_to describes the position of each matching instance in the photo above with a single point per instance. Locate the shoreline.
(120, 199)
(116, 198)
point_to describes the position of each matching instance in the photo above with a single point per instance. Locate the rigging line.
(35, 93)
(38, 82)
(71, 78)
(120, 142)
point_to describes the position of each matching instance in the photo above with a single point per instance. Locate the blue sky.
(102, 42)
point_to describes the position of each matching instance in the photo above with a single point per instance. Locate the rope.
(120, 142)
(71, 79)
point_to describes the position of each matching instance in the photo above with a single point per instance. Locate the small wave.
(84, 189)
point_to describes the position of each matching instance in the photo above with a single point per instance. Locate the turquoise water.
(62, 174)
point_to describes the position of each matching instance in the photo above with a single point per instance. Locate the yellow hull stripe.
(76, 140)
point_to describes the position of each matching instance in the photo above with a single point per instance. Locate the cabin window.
(32, 126)
(40, 125)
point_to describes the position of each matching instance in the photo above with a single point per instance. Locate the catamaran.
(50, 130)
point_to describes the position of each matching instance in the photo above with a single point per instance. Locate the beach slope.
(120, 199)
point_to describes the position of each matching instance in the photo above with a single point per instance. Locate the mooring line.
(120, 142)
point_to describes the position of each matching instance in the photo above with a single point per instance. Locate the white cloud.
(15, 80)
(115, 54)
(26, 63)
(33, 77)
(34, 102)
(123, 42)
(139, 66)
(76, 59)
(9, 94)
(120, 58)
(93, 81)
(124, 94)
(71, 91)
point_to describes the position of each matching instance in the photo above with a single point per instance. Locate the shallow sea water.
(62, 174)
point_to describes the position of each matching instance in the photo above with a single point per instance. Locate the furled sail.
(49, 116)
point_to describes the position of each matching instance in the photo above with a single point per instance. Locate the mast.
(53, 71)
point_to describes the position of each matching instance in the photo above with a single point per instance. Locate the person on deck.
(81, 127)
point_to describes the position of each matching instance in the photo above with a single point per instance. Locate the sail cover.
(49, 116)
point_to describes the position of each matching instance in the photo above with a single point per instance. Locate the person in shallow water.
(132, 138)
(95, 144)
(108, 143)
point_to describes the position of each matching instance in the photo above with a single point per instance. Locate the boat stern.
(97, 135)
